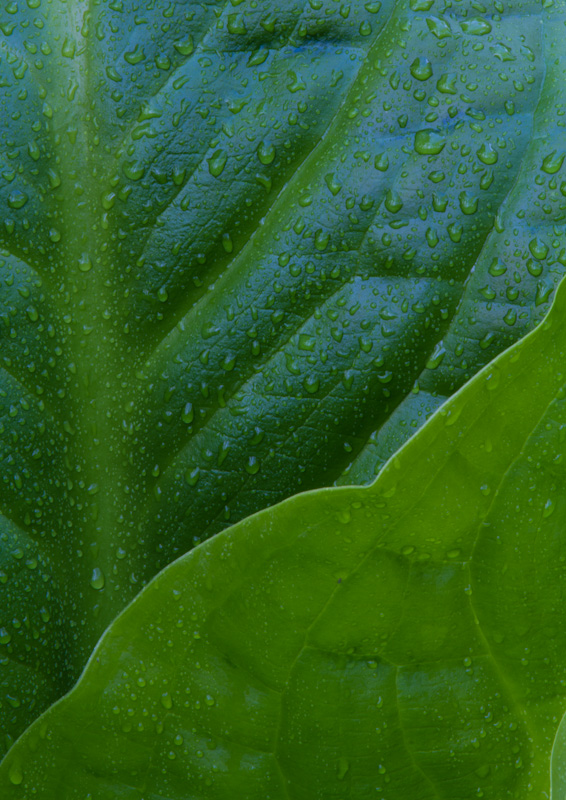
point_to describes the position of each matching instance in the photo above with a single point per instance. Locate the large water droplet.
(421, 69)
(429, 143)
(217, 162)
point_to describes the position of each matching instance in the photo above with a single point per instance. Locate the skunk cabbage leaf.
(402, 640)
(245, 250)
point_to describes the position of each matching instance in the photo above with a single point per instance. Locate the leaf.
(558, 763)
(232, 237)
(403, 640)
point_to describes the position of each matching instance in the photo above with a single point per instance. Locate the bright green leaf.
(235, 240)
(403, 640)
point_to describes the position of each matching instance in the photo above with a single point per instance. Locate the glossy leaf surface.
(231, 240)
(403, 640)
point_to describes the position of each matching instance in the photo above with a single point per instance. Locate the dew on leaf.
(429, 142)
(421, 69)
(217, 162)
(97, 579)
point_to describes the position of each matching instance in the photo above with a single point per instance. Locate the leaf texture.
(244, 251)
(251, 666)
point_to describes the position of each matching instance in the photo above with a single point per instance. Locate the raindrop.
(421, 69)
(17, 199)
(97, 579)
(487, 155)
(552, 163)
(266, 152)
(429, 143)
(217, 162)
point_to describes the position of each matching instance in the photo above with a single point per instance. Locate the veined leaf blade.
(251, 666)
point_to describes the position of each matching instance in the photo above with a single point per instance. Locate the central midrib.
(97, 391)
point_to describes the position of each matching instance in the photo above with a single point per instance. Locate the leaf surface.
(232, 239)
(251, 667)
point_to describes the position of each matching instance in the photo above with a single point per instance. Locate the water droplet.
(534, 267)
(332, 183)
(134, 56)
(393, 202)
(5, 637)
(236, 24)
(421, 69)
(552, 163)
(549, 507)
(381, 162)
(113, 74)
(266, 152)
(468, 203)
(321, 239)
(85, 264)
(497, 267)
(476, 26)
(192, 476)
(306, 342)
(446, 84)
(487, 155)
(15, 774)
(17, 199)
(429, 143)
(97, 579)
(538, 248)
(438, 27)
(184, 46)
(252, 466)
(188, 414)
(311, 384)
(436, 357)
(544, 290)
(217, 162)
(133, 170)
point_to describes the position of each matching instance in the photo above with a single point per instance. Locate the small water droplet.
(17, 199)
(97, 579)
(266, 152)
(85, 264)
(217, 162)
(15, 774)
(549, 507)
(252, 465)
(5, 637)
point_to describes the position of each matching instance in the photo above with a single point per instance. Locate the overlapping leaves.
(404, 639)
(244, 252)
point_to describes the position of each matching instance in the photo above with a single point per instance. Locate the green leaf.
(403, 640)
(232, 238)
